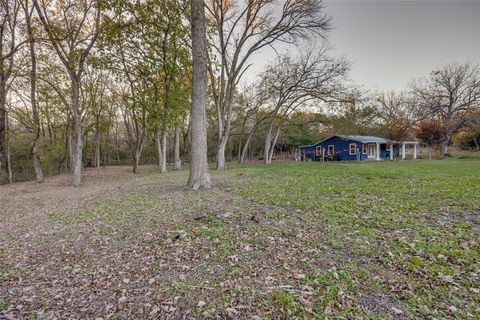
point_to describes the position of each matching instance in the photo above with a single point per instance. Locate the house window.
(331, 149)
(318, 151)
(352, 148)
(364, 148)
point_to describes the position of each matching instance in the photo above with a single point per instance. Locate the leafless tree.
(199, 176)
(449, 94)
(399, 112)
(254, 115)
(241, 30)
(28, 9)
(72, 28)
(294, 82)
(9, 21)
(135, 120)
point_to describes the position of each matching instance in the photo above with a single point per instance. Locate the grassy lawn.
(408, 231)
(368, 240)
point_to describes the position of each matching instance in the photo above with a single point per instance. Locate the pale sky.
(390, 42)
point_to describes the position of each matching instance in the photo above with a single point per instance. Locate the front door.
(371, 151)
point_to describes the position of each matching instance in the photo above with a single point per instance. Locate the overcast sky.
(389, 42)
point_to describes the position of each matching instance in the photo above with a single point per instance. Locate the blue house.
(351, 148)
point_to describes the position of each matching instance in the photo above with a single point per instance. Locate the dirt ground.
(134, 247)
(263, 243)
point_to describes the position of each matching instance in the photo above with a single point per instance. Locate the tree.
(146, 43)
(292, 83)
(9, 14)
(72, 28)
(28, 12)
(399, 113)
(94, 95)
(199, 176)
(242, 30)
(431, 132)
(449, 94)
(469, 134)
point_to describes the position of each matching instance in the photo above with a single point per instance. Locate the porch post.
(391, 151)
(378, 150)
(403, 151)
(414, 151)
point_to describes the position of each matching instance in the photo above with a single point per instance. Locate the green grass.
(371, 240)
(412, 223)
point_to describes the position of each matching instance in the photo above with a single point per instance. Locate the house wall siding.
(342, 150)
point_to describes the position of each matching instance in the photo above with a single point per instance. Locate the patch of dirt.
(63, 257)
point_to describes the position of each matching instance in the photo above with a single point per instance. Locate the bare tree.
(9, 15)
(28, 12)
(135, 120)
(177, 162)
(72, 32)
(244, 29)
(254, 115)
(399, 113)
(449, 94)
(199, 175)
(294, 82)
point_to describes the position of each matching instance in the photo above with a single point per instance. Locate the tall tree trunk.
(222, 145)
(158, 144)
(136, 160)
(199, 175)
(137, 153)
(76, 134)
(117, 144)
(176, 156)
(272, 146)
(444, 147)
(96, 144)
(106, 151)
(245, 146)
(268, 142)
(240, 141)
(33, 98)
(5, 173)
(163, 168)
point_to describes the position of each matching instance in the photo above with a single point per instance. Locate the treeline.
(98, 82)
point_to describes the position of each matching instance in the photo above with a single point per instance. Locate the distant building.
(341, 147)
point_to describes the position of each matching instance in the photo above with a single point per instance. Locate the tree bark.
(444, 147)
(33, 97)
(177, 161)
(76, 134)
(245, 146)
(106, 151)
(199, 175)
(158, 144)
(96, 144)
(163, 167)
(5, 173)
(272, 146)
(268, 142)
(222, 145)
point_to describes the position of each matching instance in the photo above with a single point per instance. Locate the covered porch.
(378, 150)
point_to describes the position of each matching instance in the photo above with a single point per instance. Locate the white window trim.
(318, 154)
(350, 149)
(333, 149)
(364, 148)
